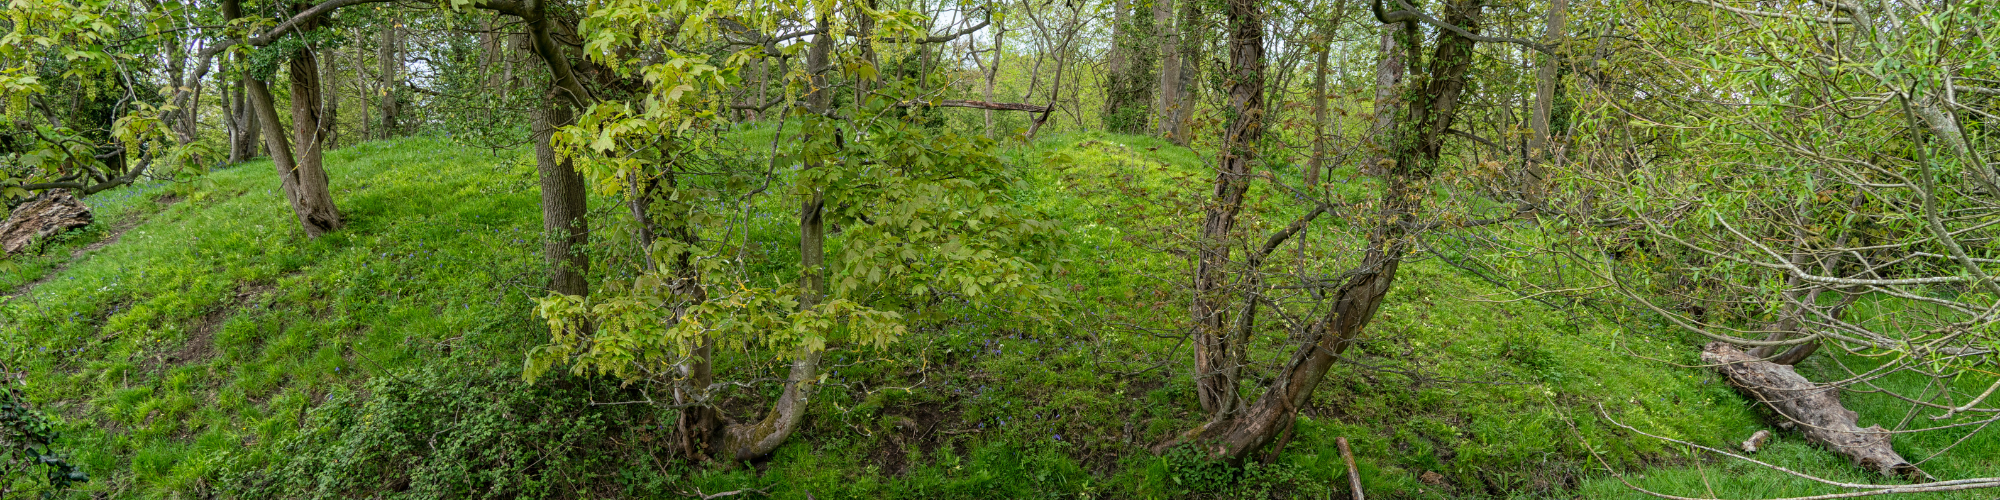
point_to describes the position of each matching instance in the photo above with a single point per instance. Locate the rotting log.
(1814, 408)
(55, 211)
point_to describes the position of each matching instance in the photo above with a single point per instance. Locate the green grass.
(215, 350)
(205, 332)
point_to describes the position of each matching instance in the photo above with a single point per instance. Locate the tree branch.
(1779, 15)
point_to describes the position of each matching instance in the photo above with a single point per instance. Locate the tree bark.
(1178, 76)
(1389, 71)
(563, 205)
(1129, 80)
(331, 113)
(1816, 408)
(1218, 358)
(244, 129)
(52, 212)
(1418, 142)
(1318, 160)
(1532, 177)
(247, 129)
(389, 58)
(302, 177)
(313, 200)
(178, 120)
(749, 441)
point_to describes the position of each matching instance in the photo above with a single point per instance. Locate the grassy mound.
(214, 350)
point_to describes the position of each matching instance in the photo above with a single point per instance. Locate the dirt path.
(117, 231)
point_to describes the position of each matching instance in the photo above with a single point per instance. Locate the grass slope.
(214, 351)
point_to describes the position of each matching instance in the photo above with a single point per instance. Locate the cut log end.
(1817, 408)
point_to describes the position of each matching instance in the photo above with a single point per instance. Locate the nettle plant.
(890, 215)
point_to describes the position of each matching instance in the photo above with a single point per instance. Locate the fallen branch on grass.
(1815, 408)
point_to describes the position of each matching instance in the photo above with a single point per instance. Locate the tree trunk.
(302, 177)
(1389, 71)
(749, 441)
(1417, 145)
(331, 113)
(389, 56)
(177, 120)
(244, 129)
(1532, 177)
(1178, 77)
(1170, 65)
(1318, 160)
(1218, 358)
(313, 198)
(993, 72)
(1129, 76)
(563, 205)
(1816, 408)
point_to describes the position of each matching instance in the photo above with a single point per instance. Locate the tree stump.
(55, 211)
(1815, 409)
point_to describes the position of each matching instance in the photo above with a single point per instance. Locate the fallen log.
(53, 212)
(1816, 410)
(996, 106)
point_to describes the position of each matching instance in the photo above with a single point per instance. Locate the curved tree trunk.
(1417, 144)
(750, 441)
(314, 208)
(1218, 354)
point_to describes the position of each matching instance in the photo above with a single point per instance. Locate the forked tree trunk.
(246, 130)
(243, 118)
(1417, 143)
(302, 178)
(313, 199)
